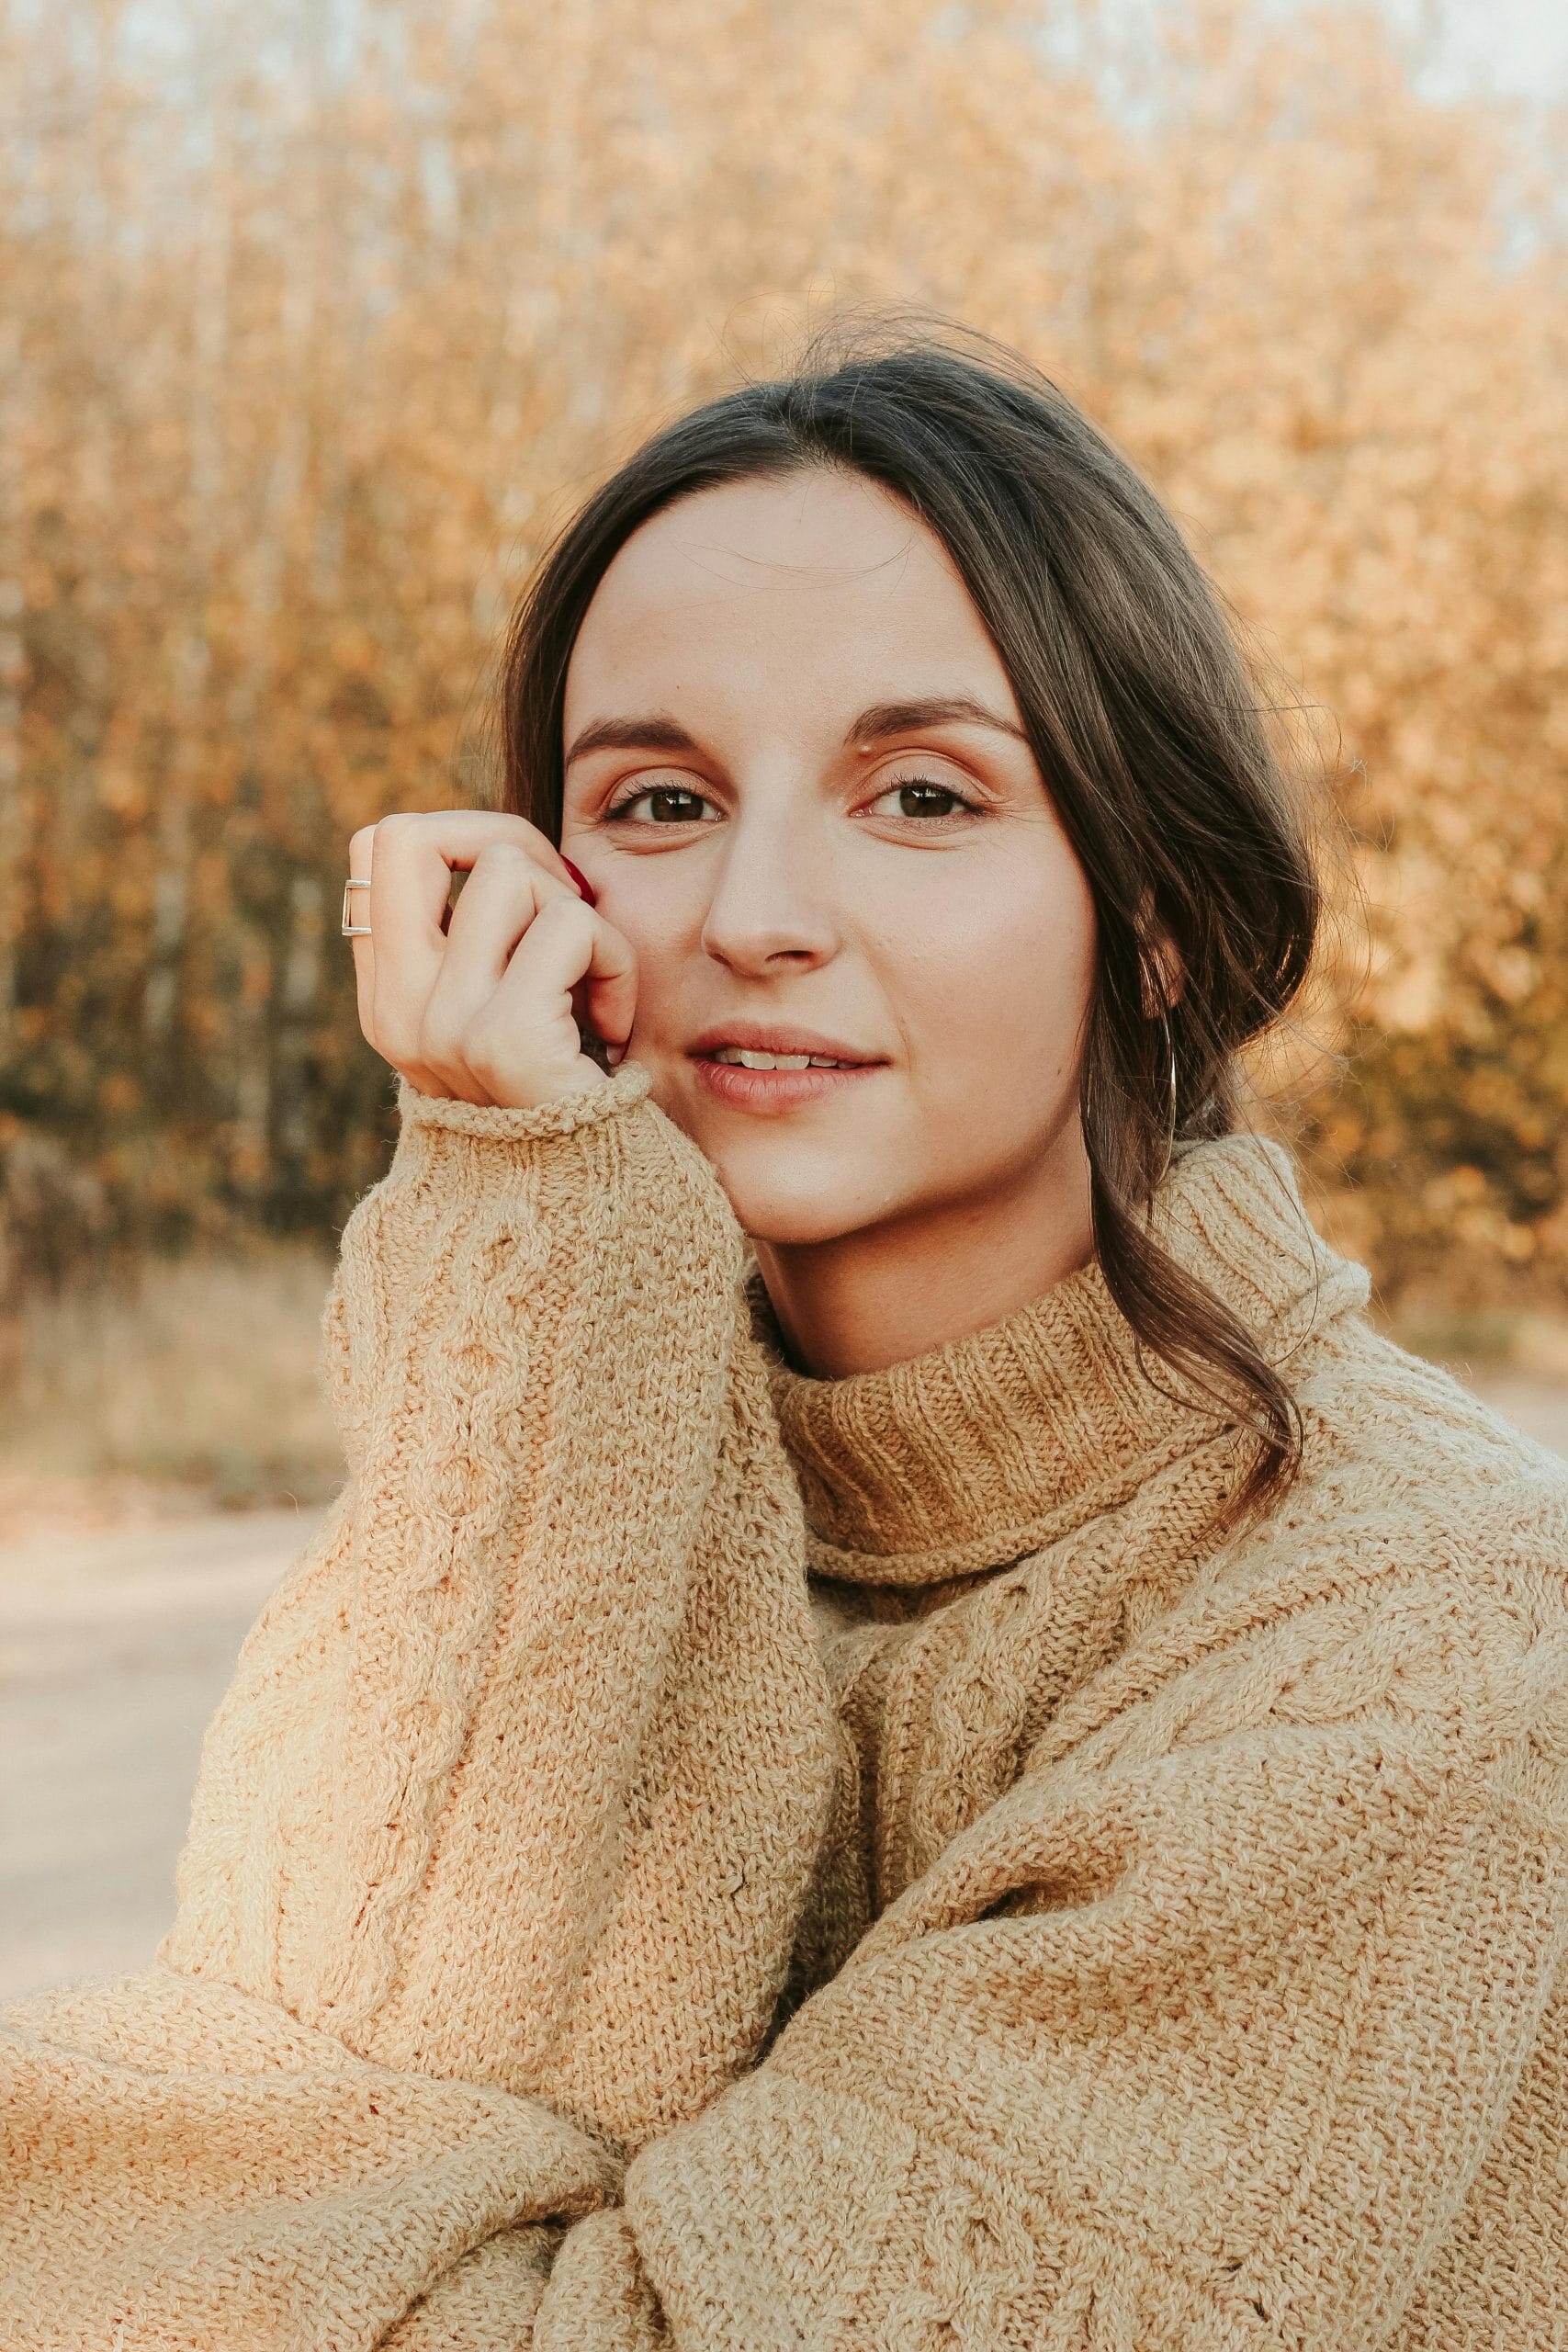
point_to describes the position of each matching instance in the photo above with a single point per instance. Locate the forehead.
(749, 591)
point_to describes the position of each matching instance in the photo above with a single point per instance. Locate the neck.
(898, 1288)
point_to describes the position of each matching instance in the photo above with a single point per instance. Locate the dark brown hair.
(1141, 717)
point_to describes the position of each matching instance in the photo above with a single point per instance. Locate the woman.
(1066, 1847)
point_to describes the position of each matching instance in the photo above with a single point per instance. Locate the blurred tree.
(318, 323)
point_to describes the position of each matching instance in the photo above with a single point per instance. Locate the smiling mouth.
(775, 1082)
(744, 1058)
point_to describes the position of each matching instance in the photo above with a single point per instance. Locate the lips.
(769, 1092)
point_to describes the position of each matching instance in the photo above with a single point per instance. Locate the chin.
(789, 1190)
(798, 1228)
(789, 1206)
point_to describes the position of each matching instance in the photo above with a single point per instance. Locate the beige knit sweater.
(978, 1911)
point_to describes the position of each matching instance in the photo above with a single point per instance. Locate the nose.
(771, 908)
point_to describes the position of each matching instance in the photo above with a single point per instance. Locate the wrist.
(507, 1122)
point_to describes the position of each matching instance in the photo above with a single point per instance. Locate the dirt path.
(115, 1647)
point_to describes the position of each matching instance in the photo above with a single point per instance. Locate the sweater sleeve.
(1195, 2037)
(501, 1828)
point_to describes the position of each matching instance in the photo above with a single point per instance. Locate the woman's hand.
(477, 1000)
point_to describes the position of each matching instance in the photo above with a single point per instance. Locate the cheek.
(998, 985)
(659, 928)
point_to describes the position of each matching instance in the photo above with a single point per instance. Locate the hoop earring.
(1170, 1138)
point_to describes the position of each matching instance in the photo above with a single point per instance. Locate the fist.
(488, 1001)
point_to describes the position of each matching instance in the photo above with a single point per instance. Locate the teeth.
(749, 1060)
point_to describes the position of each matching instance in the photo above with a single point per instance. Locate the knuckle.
(566, 909)
(498, 854)
(437, 1038)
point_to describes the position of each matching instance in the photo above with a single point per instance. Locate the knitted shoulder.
(1434, 1609)
(1410, 1592)
(1392, 1439)
(1421, 1555)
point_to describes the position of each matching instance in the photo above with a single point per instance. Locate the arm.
(452, 1932)
(1197, 2037)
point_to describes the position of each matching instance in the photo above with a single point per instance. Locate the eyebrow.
(882, 718)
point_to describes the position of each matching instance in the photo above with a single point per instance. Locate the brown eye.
(921, 799)
(664, 815)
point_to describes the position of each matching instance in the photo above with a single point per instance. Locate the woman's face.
(797, 782)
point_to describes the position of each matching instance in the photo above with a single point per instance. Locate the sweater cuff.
(505, 1122)
(723, 2206)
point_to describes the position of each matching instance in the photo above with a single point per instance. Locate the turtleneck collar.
(1004, 1440)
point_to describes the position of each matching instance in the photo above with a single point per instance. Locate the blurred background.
(321, 316)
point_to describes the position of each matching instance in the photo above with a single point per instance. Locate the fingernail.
(582, 881)
(615, 1054)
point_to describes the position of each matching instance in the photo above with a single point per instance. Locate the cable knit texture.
(695, 1856)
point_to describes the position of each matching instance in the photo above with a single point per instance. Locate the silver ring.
(354, 929)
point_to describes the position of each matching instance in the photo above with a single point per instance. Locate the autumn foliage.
(310, 341)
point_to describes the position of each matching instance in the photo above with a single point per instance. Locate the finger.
(501, 897)
(417, 854)
(528, 1026)
(361, 852)
(609, 987)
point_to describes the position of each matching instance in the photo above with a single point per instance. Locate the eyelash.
(901, 784)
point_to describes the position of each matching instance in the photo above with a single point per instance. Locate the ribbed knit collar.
(1004, 1440)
